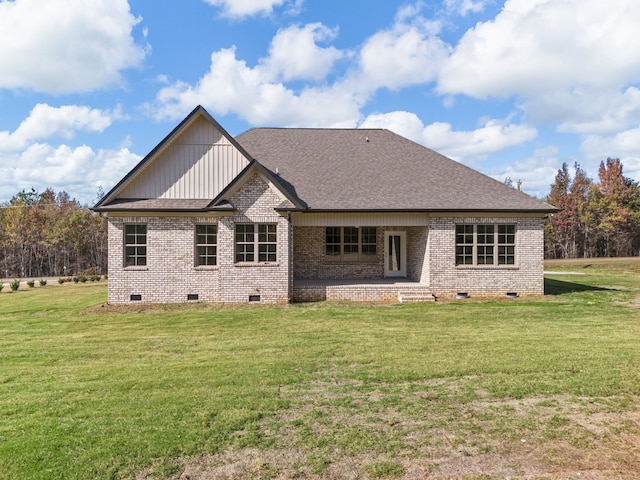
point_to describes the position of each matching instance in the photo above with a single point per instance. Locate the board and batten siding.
(200, 163)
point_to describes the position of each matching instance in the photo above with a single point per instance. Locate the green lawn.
(464, 389)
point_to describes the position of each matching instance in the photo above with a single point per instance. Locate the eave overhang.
(421, 210)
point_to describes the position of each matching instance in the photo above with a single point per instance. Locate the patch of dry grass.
(542, 388)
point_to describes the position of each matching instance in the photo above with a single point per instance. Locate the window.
(206, 245)
(350, 244)
(256, 242)
(267, 242)
(485, 244)
(464, 244)
(135, 243)
(506, 244)
(486, 240)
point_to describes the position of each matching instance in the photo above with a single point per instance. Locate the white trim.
(364, 219)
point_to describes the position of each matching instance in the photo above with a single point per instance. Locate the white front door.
(395, 254)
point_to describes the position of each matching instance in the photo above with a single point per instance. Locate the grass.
(90, 391)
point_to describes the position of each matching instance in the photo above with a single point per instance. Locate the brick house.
(289, 214)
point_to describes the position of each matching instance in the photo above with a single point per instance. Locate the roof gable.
(197, 160)
(289, 201)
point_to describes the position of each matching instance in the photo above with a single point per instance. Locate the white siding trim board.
(366, 219)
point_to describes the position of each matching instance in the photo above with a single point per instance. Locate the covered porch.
(379, 260)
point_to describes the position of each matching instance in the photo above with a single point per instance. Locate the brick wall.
(309, 257)
(417, 258)
(170, 274)
(524, 278)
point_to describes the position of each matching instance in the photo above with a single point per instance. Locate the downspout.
(290, 269)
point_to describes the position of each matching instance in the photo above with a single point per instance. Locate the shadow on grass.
(559, 287)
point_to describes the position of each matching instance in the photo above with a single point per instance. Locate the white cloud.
(406, 124)
(623, 145)
(536, 46)
(244, 8)
(79, 171)
(255, 95)
(26, 161)
(45, 121)
(65, 46)
(463, 7)
(294, 53)
(585, 111)
(536, 172)
(409, 53)
(493, 136)
(466, 146)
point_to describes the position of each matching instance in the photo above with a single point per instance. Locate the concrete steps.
(412, 297)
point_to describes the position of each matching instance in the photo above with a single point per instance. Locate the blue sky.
(511, 88)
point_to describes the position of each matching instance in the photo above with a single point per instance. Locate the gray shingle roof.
(375, 169)
(162, 204)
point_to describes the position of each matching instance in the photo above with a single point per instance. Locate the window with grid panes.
(464, 244)
(486, 240)
(256, 242)
(135, 245)
(267, 242)
(485, 244)
(506, 244)
(206, 245)
(350, 244)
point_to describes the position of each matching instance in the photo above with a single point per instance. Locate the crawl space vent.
(192, 296)
(136, 297)
(254, 298)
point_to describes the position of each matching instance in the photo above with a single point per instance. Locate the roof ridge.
(324, 129)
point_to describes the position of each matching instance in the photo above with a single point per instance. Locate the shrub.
(43, 282)
(82, 279)
(1, 286)
(15, 285)
(61, 280)
(95, 278)
(31, 283)
(89, 272)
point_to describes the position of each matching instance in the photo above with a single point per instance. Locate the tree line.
(595, 218)
(50, 234)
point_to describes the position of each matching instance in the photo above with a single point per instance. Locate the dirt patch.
(417, 431)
